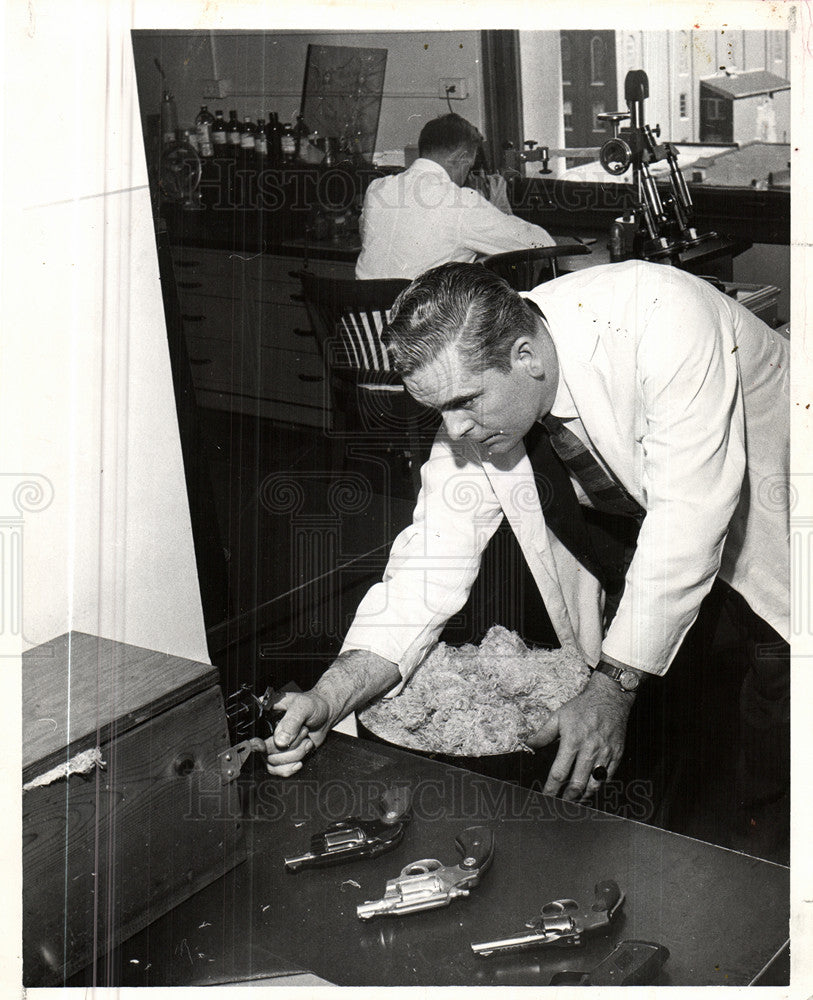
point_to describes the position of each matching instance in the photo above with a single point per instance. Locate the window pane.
(567, 75)
(597, 60)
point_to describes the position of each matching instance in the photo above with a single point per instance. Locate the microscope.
(656, 226)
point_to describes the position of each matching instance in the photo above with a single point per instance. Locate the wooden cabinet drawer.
(285, 327)
(293, 377)
(105, 854)
(271, 276)
(221, 366)
(219, 318)
(207, 272)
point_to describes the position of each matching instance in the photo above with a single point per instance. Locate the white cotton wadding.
(476, 700)
(82, 763)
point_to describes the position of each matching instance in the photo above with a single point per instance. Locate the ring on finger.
(599, 773)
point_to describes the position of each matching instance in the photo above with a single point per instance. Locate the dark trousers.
(761, 822)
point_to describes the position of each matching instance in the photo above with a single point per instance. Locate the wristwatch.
(627, 680)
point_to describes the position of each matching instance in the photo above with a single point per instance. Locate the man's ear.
(526, 353)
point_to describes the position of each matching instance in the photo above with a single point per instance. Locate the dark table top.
(723, 916)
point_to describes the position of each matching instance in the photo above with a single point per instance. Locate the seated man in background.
(424, 216)
(634, 389)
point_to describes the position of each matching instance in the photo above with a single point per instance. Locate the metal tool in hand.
(427, 884)
(249, 714)
(561, 922)
(352, 838)
(633, 963)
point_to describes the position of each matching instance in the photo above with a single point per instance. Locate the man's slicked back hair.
(447, 135)
(457, 304)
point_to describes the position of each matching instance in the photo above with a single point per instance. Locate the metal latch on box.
(232, 760)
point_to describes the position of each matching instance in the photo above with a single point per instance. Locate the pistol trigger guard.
(612, 912)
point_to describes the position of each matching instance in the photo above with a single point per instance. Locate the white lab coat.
(420, 218)
(684, 396)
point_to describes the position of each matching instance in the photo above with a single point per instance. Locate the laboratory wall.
(96, 489)
(265, 71)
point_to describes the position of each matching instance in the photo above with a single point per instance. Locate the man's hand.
(592, 728)
(303, 728)
(353, 679)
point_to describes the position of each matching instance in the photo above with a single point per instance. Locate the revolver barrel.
(381, 907)
(486, 948)
(555, 931)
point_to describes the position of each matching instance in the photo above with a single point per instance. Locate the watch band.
(626, 678)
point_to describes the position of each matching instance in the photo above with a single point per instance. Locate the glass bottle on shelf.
(300, 133)
(260, 141)
(247, 130)
(203, 128)
(288, 143)
(233, 134)
(219, 138)
(169, 119)
(273, 134)
(189, 137)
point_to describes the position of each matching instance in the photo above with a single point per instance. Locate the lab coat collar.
(574, 349)
(426, 166)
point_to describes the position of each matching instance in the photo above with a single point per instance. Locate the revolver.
(561, 922)
(427, 884)
(351, 838)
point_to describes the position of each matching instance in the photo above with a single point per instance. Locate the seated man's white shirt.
(420, 218)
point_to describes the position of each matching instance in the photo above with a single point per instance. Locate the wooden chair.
(368, 401)
(525, 269)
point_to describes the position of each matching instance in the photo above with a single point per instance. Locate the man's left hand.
(592, 728)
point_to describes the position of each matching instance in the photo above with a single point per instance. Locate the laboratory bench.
(723, 916)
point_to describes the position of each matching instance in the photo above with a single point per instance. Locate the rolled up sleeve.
(484, 229)
(433, 563)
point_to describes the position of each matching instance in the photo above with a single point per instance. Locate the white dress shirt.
(420, 218)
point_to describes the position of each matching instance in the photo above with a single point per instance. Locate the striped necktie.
(603, 492)
(564, 515)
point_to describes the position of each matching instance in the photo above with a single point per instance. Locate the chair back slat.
(525, 269)
(355, 312)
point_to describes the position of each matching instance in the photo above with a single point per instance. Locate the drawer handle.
(183, 765)
(190, 284)
(299, 332)
(192, 318)
(311, 378)
(200, 361)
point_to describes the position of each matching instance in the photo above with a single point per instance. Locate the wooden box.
(109, 851)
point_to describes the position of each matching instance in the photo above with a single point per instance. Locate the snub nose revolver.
(427, 884)
(351, 838)
(561, 922)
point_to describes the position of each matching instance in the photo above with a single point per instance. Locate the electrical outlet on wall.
(455, 87)
(215, 88)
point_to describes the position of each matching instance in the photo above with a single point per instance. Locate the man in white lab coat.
(426, 215)
(674, 394)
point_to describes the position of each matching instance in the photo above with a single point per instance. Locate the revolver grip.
(395, 804)
(607, 896)
(476, 843)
